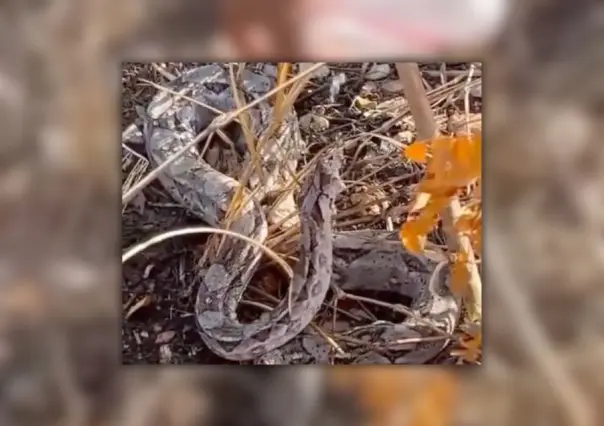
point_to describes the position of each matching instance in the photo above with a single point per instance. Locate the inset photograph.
(302, 213)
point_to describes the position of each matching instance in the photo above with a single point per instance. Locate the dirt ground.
(159, 285)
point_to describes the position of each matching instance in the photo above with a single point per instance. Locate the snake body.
(171, 123)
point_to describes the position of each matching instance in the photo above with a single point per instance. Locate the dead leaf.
(417, 151)
(369, 195)
(147, 271)
(468, 221)
(412, 237)
(313, 122)
(471, 346)
(378, 72)
(145, 301)
(283, 212)
(363, 104)
(139, 203)
(420, 202)
(165, 354)
(165, 337)
(393, 86)
(368, 88)
(321, 72)
(405, 136)
(460, 275)
(476, 91)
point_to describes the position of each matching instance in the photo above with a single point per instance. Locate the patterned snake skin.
(171, 123)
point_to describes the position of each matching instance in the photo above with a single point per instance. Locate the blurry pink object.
(341, 29)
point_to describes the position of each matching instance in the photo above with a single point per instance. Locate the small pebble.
(393, 86)
(378, 72)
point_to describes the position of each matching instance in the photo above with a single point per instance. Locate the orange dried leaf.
(417, 151)
(468, 156)
(414, 230)
(428, 217)
(425, 222)
(476, 193)
(455, 163)
(477, 152)
(438, 186)
(441, 155)
(476, 239)
(460, 275)
(471, 347)
(466, 223)
(421, 201)
(412, 239)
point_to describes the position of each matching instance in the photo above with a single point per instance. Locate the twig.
(390, 345)
(450, 73)
(138, 248)
(396, 308)
(167, 74)
(246, 124)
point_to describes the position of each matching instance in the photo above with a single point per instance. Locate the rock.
(378, 72)
(392, 86)
(313, 122)
(321, 72)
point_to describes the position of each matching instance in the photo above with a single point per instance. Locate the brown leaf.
(165, 337)
(145, 301)
(412, 237)
(417, 151)
(421, 201)
(460, 276)
(471, 346)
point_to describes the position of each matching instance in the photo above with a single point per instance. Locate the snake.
(327, 259)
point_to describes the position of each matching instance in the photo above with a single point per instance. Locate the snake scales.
(348, 260)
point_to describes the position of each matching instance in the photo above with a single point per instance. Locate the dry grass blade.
(244, 121)
(135, 165)
(193, 230)
(285, 69)
(298, 82)
(239, 199)
(281, 108)
(182, 94)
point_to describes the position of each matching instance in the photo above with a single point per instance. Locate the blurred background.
(59, 186)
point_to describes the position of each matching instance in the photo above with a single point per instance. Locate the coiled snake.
(344, 260)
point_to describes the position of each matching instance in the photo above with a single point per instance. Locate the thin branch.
(192, 230)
